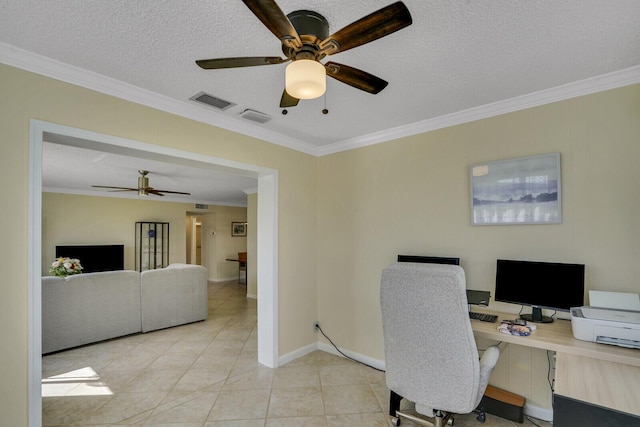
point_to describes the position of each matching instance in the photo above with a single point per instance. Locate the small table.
(242, 266)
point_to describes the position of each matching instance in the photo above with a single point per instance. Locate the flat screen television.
(94, 258)
(550, 285)
(429, 259)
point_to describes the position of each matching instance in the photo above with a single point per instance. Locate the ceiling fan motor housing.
(309, 22)
(143, 181)
(312, 29)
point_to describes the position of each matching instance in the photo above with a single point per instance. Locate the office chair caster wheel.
(395, 421)
(481, 417)
(450, 421)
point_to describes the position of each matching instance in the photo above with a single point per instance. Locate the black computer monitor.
(550, 285)
(429, 259)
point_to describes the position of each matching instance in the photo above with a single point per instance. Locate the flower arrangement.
(63, 267)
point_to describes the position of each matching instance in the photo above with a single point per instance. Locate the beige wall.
(228, 246)
(28, 96)
(344, 217)
(411, 196)
(252, 245)
(69, 219)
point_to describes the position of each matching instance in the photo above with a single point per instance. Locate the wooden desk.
(598, 374)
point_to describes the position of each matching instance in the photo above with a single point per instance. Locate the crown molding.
(29, 61)
(575, 89)
(39, 64)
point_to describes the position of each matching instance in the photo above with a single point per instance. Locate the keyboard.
(484, 317)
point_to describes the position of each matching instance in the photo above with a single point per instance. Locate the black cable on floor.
(350, 358)
(532, 422)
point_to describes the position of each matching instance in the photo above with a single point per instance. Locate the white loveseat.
(92, 307)
(173, 296)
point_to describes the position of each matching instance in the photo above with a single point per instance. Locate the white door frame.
(267, 262)
(193, 249)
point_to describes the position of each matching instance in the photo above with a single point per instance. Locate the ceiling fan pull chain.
(325, 111)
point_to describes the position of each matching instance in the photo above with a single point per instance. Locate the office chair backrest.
(430, 351)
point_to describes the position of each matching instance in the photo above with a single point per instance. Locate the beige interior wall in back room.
(27, 96)
(252, 245)
(228, 246)
(412, 196)
(69, 219)
(188, 238)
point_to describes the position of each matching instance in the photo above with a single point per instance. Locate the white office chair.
(430, 351)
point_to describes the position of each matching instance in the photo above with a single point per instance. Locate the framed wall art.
(525, 190)
(238, 229)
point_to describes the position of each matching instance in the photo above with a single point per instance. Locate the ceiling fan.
(143, 187)
(305, 39)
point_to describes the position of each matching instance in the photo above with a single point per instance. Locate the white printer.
(612, 318)
(606, 325)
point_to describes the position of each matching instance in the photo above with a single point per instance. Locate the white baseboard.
(539, 413)
(289, 357)
(378, 364)
(303, 351)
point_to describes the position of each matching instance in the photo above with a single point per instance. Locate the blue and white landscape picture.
(517, 191)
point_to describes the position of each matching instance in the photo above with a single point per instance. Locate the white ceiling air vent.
(201, 206)
(212, 101)
(255, 116)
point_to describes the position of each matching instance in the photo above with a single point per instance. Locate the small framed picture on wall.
(238, 229)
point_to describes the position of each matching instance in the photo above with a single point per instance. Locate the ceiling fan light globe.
(305, 79)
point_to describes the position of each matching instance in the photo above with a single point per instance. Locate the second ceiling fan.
(305, 40)
(143, 188)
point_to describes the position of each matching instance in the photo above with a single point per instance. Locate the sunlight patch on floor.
(80, 382)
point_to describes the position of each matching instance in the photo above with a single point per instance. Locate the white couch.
(173, 296)
(92, 307)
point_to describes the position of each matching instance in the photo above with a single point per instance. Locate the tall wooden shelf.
(152, 245)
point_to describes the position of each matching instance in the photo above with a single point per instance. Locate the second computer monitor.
(429, 259)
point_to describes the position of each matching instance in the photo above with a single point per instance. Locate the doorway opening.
(267, 236)
(194, 239)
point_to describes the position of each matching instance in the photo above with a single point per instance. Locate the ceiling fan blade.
(275, 20)
(251, 61)
(378, 24)
(116, 188)
(356, 78)
(288, 100)
(154, 191)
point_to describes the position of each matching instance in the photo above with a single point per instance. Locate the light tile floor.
(206, 374)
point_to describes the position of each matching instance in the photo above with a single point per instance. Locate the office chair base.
(440, 419)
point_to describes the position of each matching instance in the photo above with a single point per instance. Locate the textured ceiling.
(457, 55)
(459, 60)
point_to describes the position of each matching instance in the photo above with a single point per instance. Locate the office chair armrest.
(487, 363)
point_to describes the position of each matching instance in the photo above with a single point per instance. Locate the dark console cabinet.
(152, 245)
